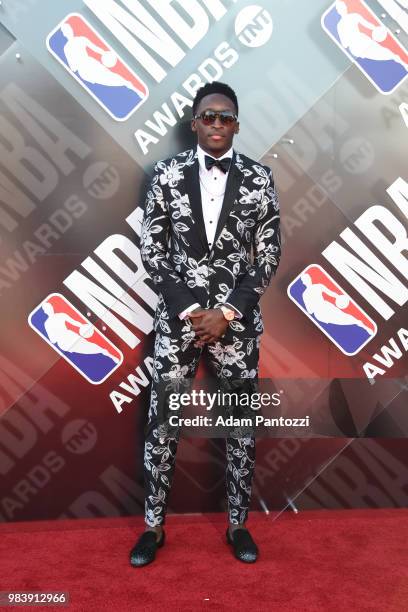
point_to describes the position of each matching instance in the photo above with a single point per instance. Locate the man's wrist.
(238, 313)
(183, 315)
(228, 313)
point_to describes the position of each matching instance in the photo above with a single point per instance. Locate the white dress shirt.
(212, 187)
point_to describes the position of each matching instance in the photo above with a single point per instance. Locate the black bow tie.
(223, 164)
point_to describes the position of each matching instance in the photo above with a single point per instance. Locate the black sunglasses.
(209, 117)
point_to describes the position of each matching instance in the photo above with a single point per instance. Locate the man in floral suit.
(211, 243)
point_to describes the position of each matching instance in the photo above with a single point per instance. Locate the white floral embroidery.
(197, 274)
(171, 174)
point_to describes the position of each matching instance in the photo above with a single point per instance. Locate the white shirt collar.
(201, 154)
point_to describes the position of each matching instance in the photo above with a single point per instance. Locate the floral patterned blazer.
(246, 248)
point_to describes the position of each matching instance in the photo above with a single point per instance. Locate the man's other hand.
(208, 324)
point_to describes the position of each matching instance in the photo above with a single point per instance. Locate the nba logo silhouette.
(367, 42)
(95, 65)
(73, 337)
(332, 310)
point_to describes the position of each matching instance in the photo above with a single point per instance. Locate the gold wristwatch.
(228, 313)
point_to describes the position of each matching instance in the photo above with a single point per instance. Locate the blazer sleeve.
(154, 251)
(267, 251)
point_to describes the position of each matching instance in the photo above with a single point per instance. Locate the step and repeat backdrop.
(92, 94)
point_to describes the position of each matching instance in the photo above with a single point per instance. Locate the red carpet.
(320, 560)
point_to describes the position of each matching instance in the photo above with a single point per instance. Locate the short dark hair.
(213, 88)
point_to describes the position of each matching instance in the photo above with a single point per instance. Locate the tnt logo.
(79, 436)
(332, 310)
(253, 26)
(101, 180)
(94, 64)
(73, 337)
(371, 46)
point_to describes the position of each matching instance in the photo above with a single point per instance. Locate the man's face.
(216, 138)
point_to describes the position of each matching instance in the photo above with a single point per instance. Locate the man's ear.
(193, 125)
(236, 128)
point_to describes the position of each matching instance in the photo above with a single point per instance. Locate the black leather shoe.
(245, 548)
(144, 551)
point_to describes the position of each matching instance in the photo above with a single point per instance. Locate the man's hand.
(200, 312)
(209, 325)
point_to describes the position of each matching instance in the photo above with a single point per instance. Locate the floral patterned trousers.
(175, 357)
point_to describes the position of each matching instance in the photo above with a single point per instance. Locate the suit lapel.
(234, 180)
(192, 188)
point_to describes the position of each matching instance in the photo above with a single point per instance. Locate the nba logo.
(367, 42)
(73, 337)
(94, 64)
(332, 310)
